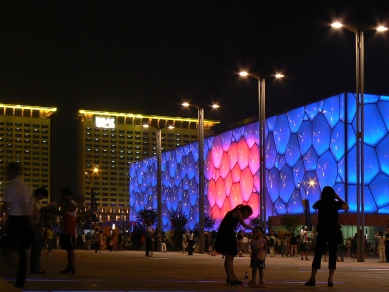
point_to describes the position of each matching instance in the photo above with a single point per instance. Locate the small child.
(258, 255)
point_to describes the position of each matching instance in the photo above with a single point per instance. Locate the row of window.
(10, 131)
(45, 126)
(19, 112)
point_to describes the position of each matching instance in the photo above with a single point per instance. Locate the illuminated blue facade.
(306, 149)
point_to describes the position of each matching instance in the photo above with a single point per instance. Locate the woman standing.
(226, 241)
(381, 246)
(328, 229)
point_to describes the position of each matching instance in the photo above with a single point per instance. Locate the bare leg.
(313, 274)
(228, 267)
(260, 275)
(331, 275)
(253, 274)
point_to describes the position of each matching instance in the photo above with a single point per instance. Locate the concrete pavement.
(174, 271)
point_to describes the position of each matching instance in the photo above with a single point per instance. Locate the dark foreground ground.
(174, 271)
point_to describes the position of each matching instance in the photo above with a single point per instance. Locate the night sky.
(149, 56)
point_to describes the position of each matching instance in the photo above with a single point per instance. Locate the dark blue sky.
(149, 56)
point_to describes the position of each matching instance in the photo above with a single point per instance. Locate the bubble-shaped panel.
(310, 159)
(295, 118)
(273, 183)
(383, 107)
(217, 151)
(295, 205)
(233, 154)
(226, 140)
(305, 136)
(243, 154)
(254, 159)
(383, 155)
(337, 145)
(331, 110)
(281, 133)
(292, 151)
(249, 134)
(380, 189)
(326, 169)
(286, 183)
(321, 134)
(271, 153)
(312, 110)
(246, 184)
(375, 128)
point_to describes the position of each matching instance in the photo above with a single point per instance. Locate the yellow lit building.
(25, 138)
(110, 141)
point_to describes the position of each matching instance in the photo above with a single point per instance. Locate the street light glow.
(215, 106)
(278, 75)
(337, 24)
(243, 73)
(185, 104)
(382, 28)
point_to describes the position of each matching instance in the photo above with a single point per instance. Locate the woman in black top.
(226, 240)
(327, 229)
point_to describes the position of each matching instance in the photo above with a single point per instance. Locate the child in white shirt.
(258, 255)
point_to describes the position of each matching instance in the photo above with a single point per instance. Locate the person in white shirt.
(381, 246)
(304, 243)
(18, 208)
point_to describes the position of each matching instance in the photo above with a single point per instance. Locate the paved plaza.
(174, 271)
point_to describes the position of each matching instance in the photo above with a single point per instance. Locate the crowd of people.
(26, 230)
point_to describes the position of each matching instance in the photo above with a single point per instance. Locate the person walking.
(149, 233)
(381, 246)
(387, 244)
(18, 209)
(328, 230)
(271, 243)
(37, 246)
(88, 241)
(163, 242)
(96, 240)
(226, 240)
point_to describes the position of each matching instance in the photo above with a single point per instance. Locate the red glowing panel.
(228, 184)
(235, 196)
(217, 151)
(220, 192)
(236, 173)
(246, 184)
(226, 207)
(211, 192)
(256, 182)
(208, 168)
(254, 159)
(233, 154)
(215, 211)
(243, 154)
(224, 165)
(216, 174)
(253, 202)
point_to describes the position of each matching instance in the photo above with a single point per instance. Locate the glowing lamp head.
(215, 106)
(185, 104)
(243, 73)
(336, 24)
(278, 75)
(382, 28)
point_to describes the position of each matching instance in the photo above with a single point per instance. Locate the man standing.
(96, 239)
(304, 243)
(18, 206)
(190, 243)
(68, 230)
(387, 244)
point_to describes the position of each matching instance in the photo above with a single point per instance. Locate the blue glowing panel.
(249, 134)
(271, 122)
(383, 106)
(369, 203)
(326, 169)
(191, 166)
(281, 161)
(295, 118)
(331, 110)
(351, 107)
(281, 133)
(305, 136)
(280, 207)
(256, 134)
(194, 149)
(351, 137)
(286, 183)
(337, 141)
(371, 98)
(217, 151)
(237, 133)
(292, 151)
(342, 102)
(226, 140)
(271, 153)
(380, 189)
(272, 184)
(295, 205)
(383, 155)
(375, 128)
(312, 110)
(298, 172)
(172, 164)
(208, 168)
(321, 134)
(310, 159)
(372, 167)
(193, 192)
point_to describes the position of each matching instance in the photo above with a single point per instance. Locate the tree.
(147, 215)
(290, 222)
(179, 222)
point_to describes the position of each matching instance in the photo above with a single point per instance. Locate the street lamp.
(159, 175)
(200, 110)
(93, 210)
(360, 121)
(262, 139)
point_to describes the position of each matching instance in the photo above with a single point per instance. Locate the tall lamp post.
(200, 127)
(159, 175)
(262, 140)
(93, 210)
(360, 123)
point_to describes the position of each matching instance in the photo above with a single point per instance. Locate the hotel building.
(109, 141)
(25, 138)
